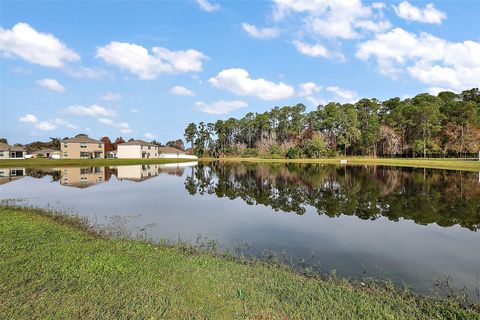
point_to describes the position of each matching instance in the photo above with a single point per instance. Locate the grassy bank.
(84, 162)
(53, 267)
(452, 164)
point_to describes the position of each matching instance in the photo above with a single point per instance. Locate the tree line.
(447, 124)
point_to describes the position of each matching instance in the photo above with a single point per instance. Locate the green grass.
(452, 164)
(53, 267)
(84, 162)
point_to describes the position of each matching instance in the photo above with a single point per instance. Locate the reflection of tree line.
(422, 195)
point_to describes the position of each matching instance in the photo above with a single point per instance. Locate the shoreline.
(448, 164)
(70, 270)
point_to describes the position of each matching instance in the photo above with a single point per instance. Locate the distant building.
(10, 152)
(47, 153)
(174, 153)
(137, 149)
(82, 147)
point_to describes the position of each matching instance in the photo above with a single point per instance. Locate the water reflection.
(348, 219)
(368, 192)
(11, 174)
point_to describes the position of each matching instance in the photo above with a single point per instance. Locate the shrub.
(249, 153)
(315, 147)
(294, 153)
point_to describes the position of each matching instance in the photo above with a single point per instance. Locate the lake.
(413, 226)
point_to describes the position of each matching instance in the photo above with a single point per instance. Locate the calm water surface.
(413, 226)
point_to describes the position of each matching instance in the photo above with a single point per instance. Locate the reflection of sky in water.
(403, 251)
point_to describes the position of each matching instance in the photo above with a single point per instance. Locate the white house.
(136, 149)
(174, 153)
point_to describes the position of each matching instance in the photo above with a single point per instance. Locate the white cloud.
(221, 106)
(260, 33)
(35, 47)
(308, 88)
(111, 96)
(429, 14)
(147, 66)
(239, 82)
(343, 95)
(182, 91)
(150, 136)
(124, 127)
(346, 19)
(94, 111)
(29, 118)
(315, 50)
(51, 84)
(207, 6)
(46, 126)
(429, 59)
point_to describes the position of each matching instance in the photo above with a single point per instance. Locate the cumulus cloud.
(51, 84)
(333, 19)
(46, 125)
(207, 6)
(35, 47)
(315, 50)
(111, 96)
(221, 106)
(147, 66)
(93, 110)
(149, 135)
(124, 127)
(182, 91)
(239, 82)
(343, 95)
(260, 33)
(429, 14)
(429, 59)
(29, 118)
(308, 88)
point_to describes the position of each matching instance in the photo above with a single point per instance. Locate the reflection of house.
(136, 149)
(144, 172)
(47, 153)
(82, 177)
(11, 174)
(81, 146)
(11, 152)
(172, 153)
(138, 172)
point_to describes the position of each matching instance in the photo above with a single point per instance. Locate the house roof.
(7, 147)
(169, 150)
(137, 143)
(80, 138)
(46, 150)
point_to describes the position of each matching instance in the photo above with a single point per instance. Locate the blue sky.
(147, 69)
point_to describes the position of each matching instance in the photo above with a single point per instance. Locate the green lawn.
(84, 162)
(52, 267)
(453, 164)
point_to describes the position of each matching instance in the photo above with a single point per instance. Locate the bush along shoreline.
(54, 265)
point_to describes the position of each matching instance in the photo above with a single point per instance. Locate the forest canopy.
(447, 124)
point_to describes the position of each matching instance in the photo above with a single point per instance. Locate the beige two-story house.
(136, 149)
(82, 147)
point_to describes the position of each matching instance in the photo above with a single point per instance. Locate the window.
(65, 154)
(84, 154)
(148, 147)
(85, 170)
(83, 145)
(83, 179)
(1, 153)
(66, 179)
(65, 145)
